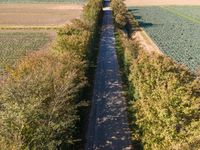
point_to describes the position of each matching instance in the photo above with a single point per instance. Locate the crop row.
(176, 36)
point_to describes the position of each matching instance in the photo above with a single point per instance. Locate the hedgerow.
(40, 97)
(39, 101)
(119, 13)
(166, 98)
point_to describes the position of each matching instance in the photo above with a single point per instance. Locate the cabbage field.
(15, 44)
(175, 29)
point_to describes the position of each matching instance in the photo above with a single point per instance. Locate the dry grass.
(38, 14)
(161, 2)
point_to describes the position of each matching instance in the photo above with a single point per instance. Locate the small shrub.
(119, 12)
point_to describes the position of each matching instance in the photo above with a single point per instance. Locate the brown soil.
(38, 14)
(145, 41)
(161, 2)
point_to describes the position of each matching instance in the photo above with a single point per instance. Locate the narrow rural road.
(108, 126)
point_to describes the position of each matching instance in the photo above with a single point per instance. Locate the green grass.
(14, 45)
(42, 1)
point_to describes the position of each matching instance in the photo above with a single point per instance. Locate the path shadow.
(133, 10)
(137, 17)
(145, 24)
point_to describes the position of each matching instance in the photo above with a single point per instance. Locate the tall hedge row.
(41, 95)
(166, 102)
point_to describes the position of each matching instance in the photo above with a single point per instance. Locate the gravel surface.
(108, 126)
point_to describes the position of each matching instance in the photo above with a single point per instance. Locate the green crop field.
(14, 45)
(42, 1)
(175, 29)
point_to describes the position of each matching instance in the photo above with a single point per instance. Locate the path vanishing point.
(108, 127)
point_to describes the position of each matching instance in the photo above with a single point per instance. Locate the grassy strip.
(43, 96)
(166, 97)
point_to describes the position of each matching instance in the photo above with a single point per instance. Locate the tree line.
(164, 97)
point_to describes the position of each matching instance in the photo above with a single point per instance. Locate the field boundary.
(146, 41)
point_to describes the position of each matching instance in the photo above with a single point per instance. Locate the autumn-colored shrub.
(92, 12)
(75, 43)
(119, 12)
(80, 36)
(167, 103)
(39, 101)
(166, 99)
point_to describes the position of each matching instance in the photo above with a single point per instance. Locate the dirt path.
(108, 126)
(146, 43)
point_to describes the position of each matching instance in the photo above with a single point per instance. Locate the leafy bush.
(119, 12)
(166, 99)
(75, 43)
(167, 103)
(39, 101)
(92, 12)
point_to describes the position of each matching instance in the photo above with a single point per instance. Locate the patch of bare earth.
(38, 14)
(146, 43)
(161, 2)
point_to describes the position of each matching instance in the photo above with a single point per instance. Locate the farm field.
(38, 14)
(160, 2)
(42, 1)
(188, 12)
(15, 44)
(175, 29)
